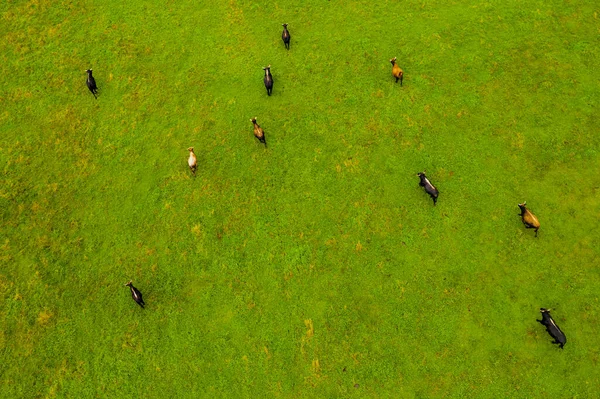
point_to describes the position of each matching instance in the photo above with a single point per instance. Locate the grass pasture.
(315, 268)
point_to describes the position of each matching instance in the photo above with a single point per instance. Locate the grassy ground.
(316, 267)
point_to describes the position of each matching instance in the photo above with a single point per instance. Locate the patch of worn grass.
(316, 267)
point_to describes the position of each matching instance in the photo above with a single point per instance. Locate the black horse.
(136, 294)
(91, 83)
(285, 36)
(268, 79)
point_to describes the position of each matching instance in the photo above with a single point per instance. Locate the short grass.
(316, 267)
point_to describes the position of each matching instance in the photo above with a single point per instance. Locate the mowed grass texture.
(317, 267)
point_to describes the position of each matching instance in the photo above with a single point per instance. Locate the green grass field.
(315, 268)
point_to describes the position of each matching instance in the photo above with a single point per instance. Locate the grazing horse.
(192, 161)
(285, 36)
(91, 83)
(396, 71)
(259, 133)
(429, 188)
(136, 294)
(528, 218)
(559, 337)
(268, 79)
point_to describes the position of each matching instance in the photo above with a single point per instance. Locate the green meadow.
(316, 267)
